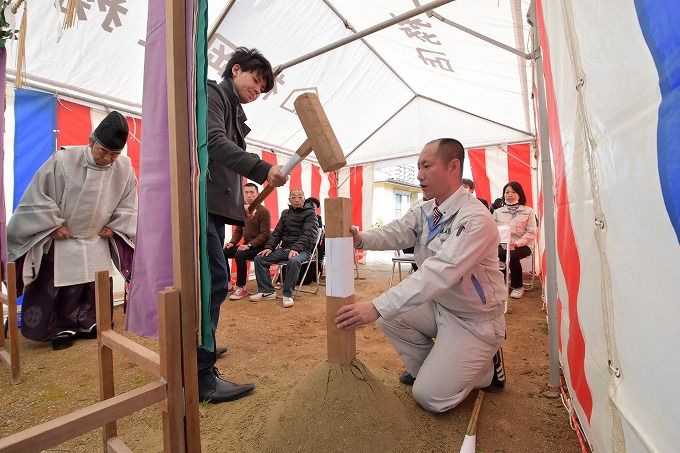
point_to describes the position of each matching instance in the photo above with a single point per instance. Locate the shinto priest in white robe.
(70, 189)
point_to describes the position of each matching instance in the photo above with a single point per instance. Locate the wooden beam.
(104, 317)
(339, 278)
(115, 445)
(134, 352)
(171, 370)
(61, 429)
(182, 218)
(13, 322)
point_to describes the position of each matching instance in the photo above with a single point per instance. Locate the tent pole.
(361, 34)
(476, 116)
(516, 9)
(381, 126)
(548, 210)
(76, 93)
(218, 22)
(417, 153)
(469, 31)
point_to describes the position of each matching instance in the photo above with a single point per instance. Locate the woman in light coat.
(522, 222)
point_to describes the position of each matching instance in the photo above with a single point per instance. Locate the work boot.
(406, 378)
(498, 380)
(213, 389)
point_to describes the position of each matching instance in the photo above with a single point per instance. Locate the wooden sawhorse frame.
(10, 355)
(167, 390)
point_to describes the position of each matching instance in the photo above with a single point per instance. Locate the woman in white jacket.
(522, 222)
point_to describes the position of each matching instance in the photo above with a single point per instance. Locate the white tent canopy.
(389, 93)
(385, 95)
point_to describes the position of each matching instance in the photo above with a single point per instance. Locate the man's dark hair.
(251, 60)
(314, 200)
(469, 183)
(254, 186)
(517, 187)
(449, 149)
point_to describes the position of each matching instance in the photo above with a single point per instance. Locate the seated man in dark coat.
(292, 240)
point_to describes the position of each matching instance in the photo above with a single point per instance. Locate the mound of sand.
(339, 408)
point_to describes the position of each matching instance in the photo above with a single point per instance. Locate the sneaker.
(517, 293)
(230, 287)
(498, 380)
(239, 292)
(263, 296)
(288, 302)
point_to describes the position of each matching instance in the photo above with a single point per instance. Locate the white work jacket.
(457, 261)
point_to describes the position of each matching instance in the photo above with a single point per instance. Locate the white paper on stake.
(339, 267)
(505, 233)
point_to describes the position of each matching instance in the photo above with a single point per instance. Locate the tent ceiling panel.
(444, 63)
(88, 57)
(423, 120)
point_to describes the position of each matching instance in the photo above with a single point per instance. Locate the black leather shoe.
(85, 334)
(221, 351)
(213, 389)
(63, 340)
(406, 378)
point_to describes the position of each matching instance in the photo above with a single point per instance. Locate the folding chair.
(398, 259)
(529, 286)
(313, 258)
(506, 234)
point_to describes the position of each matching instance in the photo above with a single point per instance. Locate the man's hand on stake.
(349, 317)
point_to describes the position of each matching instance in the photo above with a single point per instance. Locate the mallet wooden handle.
(302, 152)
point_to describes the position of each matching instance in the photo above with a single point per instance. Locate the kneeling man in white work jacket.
(446, 320)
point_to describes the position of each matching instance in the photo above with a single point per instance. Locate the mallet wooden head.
(319, 132)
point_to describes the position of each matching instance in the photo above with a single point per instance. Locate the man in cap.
(78, 213)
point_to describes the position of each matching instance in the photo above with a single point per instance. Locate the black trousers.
(241, 256)
(218, 285)
(515, 266)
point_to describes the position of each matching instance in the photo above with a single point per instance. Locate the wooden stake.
(104, 316)
(171, 370)
(470, 441)
(339, 277)
(182, 218)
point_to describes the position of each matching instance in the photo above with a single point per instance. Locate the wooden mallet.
(470, 441)
(320, 138)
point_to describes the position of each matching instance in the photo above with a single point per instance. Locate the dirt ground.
(276, 349)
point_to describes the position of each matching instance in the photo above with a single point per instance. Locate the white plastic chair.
(505, 236)
(398, 259)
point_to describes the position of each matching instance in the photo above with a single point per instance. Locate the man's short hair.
(253, 185)
(449, 149)
(314, 200)
(469, 183)
(251, 60)
(296, 190)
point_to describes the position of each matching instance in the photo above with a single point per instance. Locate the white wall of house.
(391, 200)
